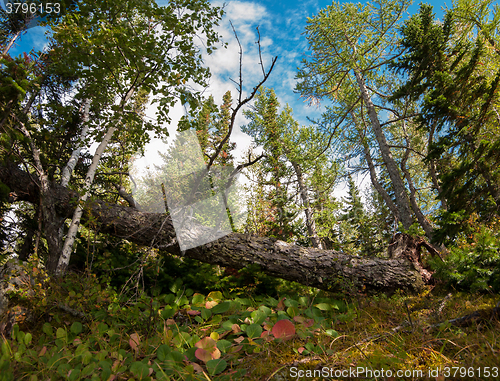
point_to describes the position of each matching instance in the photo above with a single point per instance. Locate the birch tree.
(103, 57)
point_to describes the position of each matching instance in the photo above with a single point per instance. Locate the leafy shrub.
(474, 262)
(180, 335)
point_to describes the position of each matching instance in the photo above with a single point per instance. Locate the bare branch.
(126, 196)
(240, 84)
(260, 53)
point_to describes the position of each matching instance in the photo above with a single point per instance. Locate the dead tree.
(324, 269)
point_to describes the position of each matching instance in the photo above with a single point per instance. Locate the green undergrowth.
(79, 329)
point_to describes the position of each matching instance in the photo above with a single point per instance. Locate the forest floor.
(79, 329)
(398, 338)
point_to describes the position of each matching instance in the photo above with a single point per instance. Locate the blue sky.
(281, 24)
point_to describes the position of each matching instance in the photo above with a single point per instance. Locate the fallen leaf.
(283, 329)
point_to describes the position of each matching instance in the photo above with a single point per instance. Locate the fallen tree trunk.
(324, 269)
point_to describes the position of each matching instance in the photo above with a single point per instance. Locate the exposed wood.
(324, 269)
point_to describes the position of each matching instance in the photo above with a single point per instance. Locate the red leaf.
(203, 355)
(283, 329)
(206, 343)
(308, 323)
(281, 305)
(209, 305)
(134, 341)
(42, 352)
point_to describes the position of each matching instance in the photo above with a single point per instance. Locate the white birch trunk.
(75, 155)
(89, 179)
(77, 215)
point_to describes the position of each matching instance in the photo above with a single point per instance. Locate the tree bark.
(399, 187)
(324, 269)
(373, 173)
(65, 256)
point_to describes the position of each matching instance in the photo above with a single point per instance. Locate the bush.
(474, 262)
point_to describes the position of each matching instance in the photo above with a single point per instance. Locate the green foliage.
(295, 161)
(183, 335)
(117, 56)
(473, 263)
(172, 336)
(356, 233)
(453, 73)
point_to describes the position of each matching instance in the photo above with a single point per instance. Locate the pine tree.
(356, 229)
(453, 71)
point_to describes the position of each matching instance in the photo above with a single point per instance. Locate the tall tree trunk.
(413, 200)
(422, 220)
(51, 219)
(432, 167)
(75, 222)
(75, 155)
(399, 187)
(373, 174)
(11, 42)
(310, 221)
(89, 180)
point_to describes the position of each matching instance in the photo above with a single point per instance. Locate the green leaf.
(61, 333)
(167, 313)
(323, 306)
(215, 295)
(223, 345)
(163, 351)
(102, 328)
(176, 356)
(228, 325)
(292, 311)
(221, 308)
(258, 316)
(27, 338)
(76, 327)
(253, 331)
(331, 332)
(206, 313)
(105, 365)
(74, 375)
(15, 331)
(64, 369)
(88, 369)
(139, 369)
(86, 357)
(198, 300)
(215, 367)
